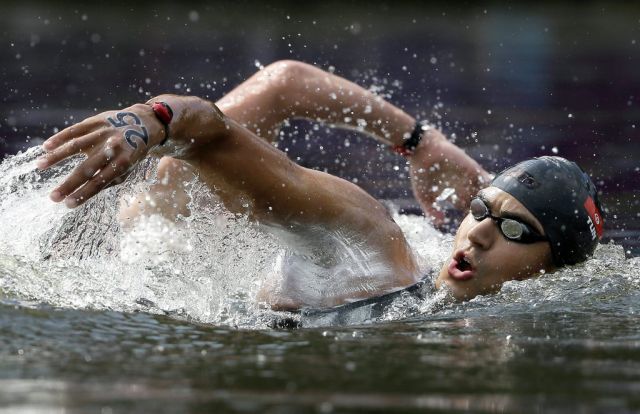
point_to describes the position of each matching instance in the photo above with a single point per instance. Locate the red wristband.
(400, 149)
(164, 113)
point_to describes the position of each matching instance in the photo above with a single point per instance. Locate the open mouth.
(463, 265)
(460, 268)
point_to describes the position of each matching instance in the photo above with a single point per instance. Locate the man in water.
(533, 218)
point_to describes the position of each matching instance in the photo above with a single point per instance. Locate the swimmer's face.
(483, 259)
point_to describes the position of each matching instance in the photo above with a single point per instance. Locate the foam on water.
(209, 267)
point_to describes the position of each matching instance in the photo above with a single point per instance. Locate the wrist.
(195, 122)
(413, 139)
(164, 114)
(170, 114)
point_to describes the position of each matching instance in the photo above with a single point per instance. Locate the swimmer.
(533, 218)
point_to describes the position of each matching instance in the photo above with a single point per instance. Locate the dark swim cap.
(563, 199)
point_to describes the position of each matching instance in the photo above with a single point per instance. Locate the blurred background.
(504, 81)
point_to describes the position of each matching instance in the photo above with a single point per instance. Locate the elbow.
(287, 72)
(293, 83)
(290, 79)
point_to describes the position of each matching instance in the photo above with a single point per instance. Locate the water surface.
(86, 326)
(163, 319)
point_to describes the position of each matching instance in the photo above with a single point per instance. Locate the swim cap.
(563, 199)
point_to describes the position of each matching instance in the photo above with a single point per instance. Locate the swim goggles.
(510, 228)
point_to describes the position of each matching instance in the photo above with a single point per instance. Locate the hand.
(437, 164)
(113, 142)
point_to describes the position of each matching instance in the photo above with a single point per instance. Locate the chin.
(460, 293)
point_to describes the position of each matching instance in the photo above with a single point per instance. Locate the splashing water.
(208, 267)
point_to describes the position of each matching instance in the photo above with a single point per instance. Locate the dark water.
(555, 361)
(506, 82)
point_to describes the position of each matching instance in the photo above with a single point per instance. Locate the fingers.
(89, 178)
(118, 180)
(80, 175)
(70, 148)
(92, 187)
(67, 134)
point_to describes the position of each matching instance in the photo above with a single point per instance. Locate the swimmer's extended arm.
(250, 175)
(291, 89)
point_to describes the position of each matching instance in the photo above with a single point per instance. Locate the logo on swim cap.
(528, 181)
(523, 177)
(595, 218)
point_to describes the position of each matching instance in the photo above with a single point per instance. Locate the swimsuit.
(354, 313)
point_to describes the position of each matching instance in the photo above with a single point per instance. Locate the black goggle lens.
(479, 209)
(510, 228)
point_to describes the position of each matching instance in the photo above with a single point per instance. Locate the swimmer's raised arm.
(291, 89)
(250, 175)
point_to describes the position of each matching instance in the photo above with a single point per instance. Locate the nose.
(483, 233)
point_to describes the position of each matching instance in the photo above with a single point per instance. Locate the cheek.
(464, 228)
(524, 261)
